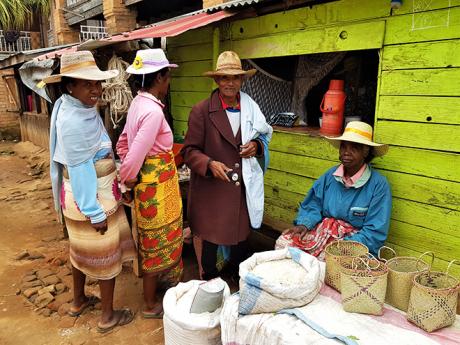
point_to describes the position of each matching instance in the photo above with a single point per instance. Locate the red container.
(332, 107)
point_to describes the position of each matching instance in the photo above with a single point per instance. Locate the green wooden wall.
(417, 111)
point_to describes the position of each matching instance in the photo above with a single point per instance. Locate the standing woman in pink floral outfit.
(145, 148)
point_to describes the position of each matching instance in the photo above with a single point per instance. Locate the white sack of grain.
(278, 279)
(181, 327)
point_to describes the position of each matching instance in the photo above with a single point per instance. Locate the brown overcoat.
(217, 209)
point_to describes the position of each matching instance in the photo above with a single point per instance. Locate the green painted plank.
(300, 165)
(192, 68)
(281, 180)
(445, 194)
(439, 265)
(278, 213)
(438, 219)
(180, 113)
(291, 175)
(309, 17)
(422, 55)
(422, 82)
(423, 6)
(423, 109)
(420, 135)
(329, 39)
(303, 144)
(188, 98)
(442, 165)
(201, 84)
(190, 53)
(423, 26)
(180, 128)
(435, 218)
(195, 36)
(420, 239)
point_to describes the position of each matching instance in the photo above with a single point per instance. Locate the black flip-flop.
(91, 302)
(126, 317)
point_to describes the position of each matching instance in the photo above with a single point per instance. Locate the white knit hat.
(149, 61)
(80, 65)
(359, 132)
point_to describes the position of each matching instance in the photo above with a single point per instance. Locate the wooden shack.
(417, 106)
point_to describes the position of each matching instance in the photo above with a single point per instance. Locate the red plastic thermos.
(332, 107)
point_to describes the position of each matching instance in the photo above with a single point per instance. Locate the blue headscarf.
(76, 132)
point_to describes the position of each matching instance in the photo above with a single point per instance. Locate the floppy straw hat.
(149, 61)
(359, 132)
(229, 63)
(80, 65)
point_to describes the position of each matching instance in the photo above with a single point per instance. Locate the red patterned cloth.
(330, 229)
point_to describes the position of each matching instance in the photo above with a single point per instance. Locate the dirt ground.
(28, 223)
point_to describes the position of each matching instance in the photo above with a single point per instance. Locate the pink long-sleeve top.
(146, 133)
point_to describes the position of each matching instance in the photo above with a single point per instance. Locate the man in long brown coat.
(214, 151)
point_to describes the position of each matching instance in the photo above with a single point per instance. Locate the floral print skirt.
(159, 216)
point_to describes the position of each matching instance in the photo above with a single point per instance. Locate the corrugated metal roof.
(232, 4)
(14, 59)
(168, 28)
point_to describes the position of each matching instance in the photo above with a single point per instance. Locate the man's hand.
(219, 170)
(300, 230)
(100, 227)
(248, 150)
(131, 183)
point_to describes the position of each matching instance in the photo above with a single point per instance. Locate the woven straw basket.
(364, 285)
(337, 250)
(433, 300)
(401, 272)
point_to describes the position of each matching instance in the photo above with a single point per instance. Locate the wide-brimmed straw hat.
(229, 63)
(359, 132)
(80, 65)
(149, 61)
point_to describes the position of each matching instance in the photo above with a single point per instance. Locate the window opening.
(297, 84)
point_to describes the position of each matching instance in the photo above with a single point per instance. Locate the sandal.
(90, 302)
(126, 316)
(153, 314)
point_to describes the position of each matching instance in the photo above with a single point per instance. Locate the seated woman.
(351, 201)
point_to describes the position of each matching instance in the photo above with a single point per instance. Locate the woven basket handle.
(354, 265)
(365, 261)
(420, 260)
(450, 264)
(387, 248)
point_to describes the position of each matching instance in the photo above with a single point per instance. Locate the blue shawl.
(75, 136)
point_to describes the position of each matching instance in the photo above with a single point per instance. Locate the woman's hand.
(248, 150)
(100, 227)
(219, 170)
(131, 183)
(300, 230)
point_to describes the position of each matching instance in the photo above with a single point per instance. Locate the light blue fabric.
(317, 328)
(76, 136)
(367, 208)
(83, 180)
(265, 160)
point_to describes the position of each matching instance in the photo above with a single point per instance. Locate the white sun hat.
(80, 65)
(149, 61)
(359, 132)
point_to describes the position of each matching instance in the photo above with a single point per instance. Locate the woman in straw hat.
(85, 187)
(351, 201)
(226, 148)
(145, 148)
